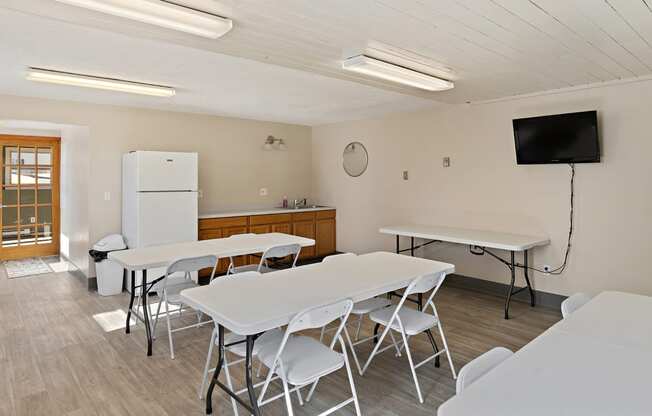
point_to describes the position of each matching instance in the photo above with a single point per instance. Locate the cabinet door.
(240, 260)
(325, 236)
(285, 228)
(210, 234)
(305, 229)
(258, 229)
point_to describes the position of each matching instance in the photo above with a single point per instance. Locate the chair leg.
(227, 375)
(167, 318)
(286, 390)
(299, 396)
(357, 331)
(448, 353)
(158, 310)
(352, 348)
(323, 331)
(409, 355)
(208, 364)
(379, 341)
(350, 375)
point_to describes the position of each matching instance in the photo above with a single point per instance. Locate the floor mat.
(26, 267)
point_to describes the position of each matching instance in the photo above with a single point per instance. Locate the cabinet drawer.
(321, 215)
(303, 216)
(269, 219)
(211, 223)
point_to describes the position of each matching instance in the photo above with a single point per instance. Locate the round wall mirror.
(355, 159)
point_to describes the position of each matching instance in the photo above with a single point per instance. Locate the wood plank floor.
(55, 359)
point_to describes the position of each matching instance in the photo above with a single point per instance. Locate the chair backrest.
(336, 257)
(480, 366)
(423, 284)
(279, 252)
(192, 264)
(573, 303)
(319, 316)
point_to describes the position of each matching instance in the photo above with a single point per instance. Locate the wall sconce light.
(272, 143)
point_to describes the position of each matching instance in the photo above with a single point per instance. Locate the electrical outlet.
(262, 192)
(446, 162)
(200, 194)
(107, 196)
(405, 175)
(547, 268)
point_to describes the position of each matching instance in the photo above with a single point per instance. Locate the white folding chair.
(275, 252)
(480, 366)
(573, 303)
(409, 322)
(360, 309)
(235, 344)
(171, 293)
(300, 360)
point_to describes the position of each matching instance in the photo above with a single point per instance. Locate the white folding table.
(141, 259)
(596, 362)
(479, 242)
(273, 300)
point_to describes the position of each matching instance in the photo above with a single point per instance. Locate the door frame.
(37, 250)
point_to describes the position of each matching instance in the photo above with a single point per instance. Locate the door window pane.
(44, 234)
(44, 176)
(9, 237)
(9, 196)
(27, 156)
(44, 196)
(44, 156)
(10, 155)
(27, 215)
(9, 216)
(27, 235)
(10, 176)
(27, 176)
(45, 214)
(27, 196)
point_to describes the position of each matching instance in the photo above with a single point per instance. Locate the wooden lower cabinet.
(318, 225)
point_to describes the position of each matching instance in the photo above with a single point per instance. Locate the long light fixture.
(369, 66)
(161, 13)
(89, 81)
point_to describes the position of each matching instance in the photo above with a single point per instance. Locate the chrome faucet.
(300, 203)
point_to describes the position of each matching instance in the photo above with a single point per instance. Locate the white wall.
(484, 188)
(232, 164)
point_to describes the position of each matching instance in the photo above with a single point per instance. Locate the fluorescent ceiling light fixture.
(161, 13)
(89, 81)
(385, 70)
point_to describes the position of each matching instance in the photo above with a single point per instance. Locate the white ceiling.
(293, 48)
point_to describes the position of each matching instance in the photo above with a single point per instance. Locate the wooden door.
(29, 199)
(305, 229)
(325, 236)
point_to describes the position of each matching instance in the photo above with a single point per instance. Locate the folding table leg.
(248, 369)
(131, 299)
(510, 290)
(148, 330)
(527, 278)
(218, 368)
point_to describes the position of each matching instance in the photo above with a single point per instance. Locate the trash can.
(109, 273)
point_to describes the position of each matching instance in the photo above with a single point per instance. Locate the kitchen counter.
(245, 213)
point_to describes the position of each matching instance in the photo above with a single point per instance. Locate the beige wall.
(232, 164)
(484, 188)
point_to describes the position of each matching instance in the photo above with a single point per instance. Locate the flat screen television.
(560, 138)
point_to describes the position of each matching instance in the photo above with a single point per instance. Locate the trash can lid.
(111, 242)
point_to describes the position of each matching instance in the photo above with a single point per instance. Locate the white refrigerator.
(159, 200)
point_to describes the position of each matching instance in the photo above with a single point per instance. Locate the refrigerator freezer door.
(166, 217)
(166, 171)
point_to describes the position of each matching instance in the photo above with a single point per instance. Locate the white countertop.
(263, 211)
